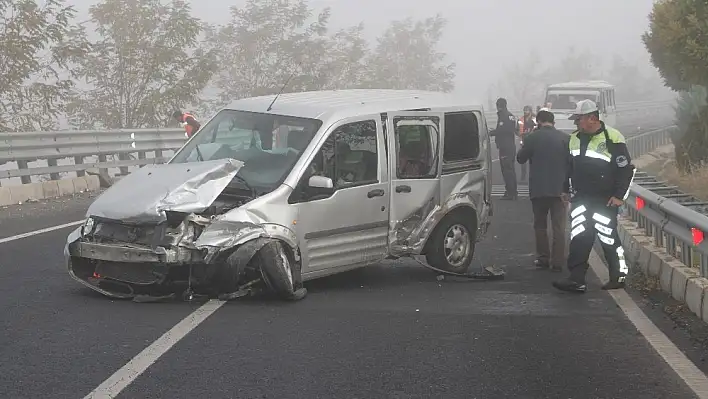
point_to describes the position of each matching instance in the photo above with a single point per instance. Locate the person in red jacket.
(527, 124)
(189, 122)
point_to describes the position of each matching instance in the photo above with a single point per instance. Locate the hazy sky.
(482, 35)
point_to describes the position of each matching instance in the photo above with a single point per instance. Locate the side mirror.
(321, 182)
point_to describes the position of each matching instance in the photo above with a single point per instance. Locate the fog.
(484, 37)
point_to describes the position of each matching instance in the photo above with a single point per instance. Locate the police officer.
(505, 138)
(601, 172)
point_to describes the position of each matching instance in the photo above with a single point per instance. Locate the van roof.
(327, 104)
(583, 84)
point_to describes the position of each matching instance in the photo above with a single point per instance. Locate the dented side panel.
(414, 201)
(467, 191)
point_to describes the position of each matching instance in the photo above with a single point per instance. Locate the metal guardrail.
(27, 147)
(23, 148)
(676, 220)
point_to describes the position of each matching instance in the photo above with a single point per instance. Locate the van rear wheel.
(452, 245)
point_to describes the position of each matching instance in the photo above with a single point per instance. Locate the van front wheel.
(452, 245)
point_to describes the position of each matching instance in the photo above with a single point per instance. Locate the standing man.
(188, 121)
(527, 125)
(547, 150)
(600, 176)
(505, 138)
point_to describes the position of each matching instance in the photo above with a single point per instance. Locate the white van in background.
(562, 97)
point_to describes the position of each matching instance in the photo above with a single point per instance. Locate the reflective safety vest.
(594, 172)
(188, 129)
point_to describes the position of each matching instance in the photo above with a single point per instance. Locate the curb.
(14, 195)
(683, 283)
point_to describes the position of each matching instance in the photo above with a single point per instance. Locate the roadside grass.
(695, 183)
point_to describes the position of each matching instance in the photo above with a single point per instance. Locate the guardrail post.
(79, 161)
(123, 169)
(52, 162)
(103, 171)
(686, 254)
(24, 179)
(671, 245)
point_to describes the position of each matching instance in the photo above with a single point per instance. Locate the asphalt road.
(389, 331)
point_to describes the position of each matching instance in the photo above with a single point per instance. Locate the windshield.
(568, 100)
(268, 145)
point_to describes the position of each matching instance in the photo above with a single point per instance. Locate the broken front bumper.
(115, 253)
(121, 271)
(127, 270)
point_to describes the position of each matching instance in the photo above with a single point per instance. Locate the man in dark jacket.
(505, 138)
(547, 150)
(600, 176)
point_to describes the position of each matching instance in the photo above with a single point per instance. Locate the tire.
(280, 273)
(457, 232)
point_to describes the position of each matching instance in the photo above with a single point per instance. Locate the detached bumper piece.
(485, 273)
(261, 266)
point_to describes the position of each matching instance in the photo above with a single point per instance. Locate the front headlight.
(88, 226)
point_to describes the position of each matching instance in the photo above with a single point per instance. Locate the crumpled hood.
(144, 195)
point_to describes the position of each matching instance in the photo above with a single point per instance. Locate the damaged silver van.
(274, 191)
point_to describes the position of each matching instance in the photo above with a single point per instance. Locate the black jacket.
(601, 166)
(547, 150)
(505, 132)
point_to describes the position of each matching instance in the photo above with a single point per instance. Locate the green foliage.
(678, 46)
(268, 42)
(152, 57)
(36, 45)
(406, 57)
(688, 144)
(147, 63)
(677, 41)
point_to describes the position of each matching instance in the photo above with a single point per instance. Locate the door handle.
(375, 193)
(403, 189)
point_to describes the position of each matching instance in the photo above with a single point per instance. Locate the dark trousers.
(542, 207)
(507, 162)
(524, 171)
(590, 217)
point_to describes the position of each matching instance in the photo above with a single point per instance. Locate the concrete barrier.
(683, 283)
(14, 195)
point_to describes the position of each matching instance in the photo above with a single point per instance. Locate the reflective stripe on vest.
(597, 147)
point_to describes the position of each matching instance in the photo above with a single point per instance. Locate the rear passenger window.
(349, 156)
(417, 149)
(461, 137)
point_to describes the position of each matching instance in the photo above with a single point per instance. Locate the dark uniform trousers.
(507, 163)
(590, 216)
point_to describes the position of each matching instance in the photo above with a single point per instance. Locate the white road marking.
(111, 387)
(40, 231)
(684, 367)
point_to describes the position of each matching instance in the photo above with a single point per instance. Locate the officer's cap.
(583, 108)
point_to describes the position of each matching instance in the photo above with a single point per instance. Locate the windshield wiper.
(254, 194)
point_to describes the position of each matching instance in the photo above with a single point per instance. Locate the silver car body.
(354, 227)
